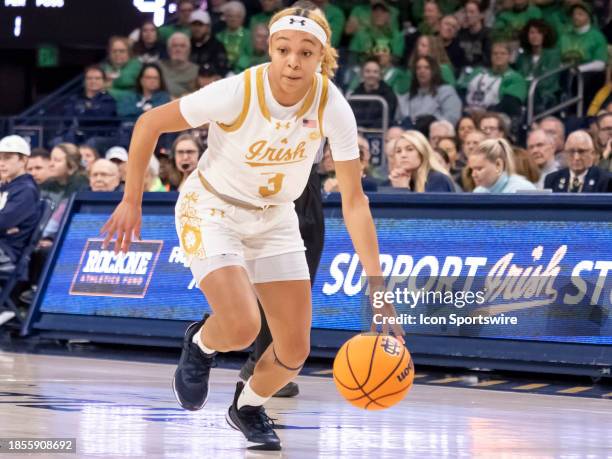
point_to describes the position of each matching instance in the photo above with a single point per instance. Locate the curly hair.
(550, 37)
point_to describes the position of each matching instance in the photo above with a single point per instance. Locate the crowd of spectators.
(436, 58)
(454, 75)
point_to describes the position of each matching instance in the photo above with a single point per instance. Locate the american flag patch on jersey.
(309, 123)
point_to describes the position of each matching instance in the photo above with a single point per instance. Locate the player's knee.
(295, 355)
(242, 332)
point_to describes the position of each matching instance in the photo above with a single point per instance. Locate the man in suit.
(581, 176)
(604, 132)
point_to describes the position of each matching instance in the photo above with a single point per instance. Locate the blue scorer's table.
(544, 260)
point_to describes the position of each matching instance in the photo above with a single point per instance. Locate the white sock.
(196, 339)
(249, 397)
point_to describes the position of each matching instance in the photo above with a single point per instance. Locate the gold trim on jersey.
(245, 106)
(261, 95)
(323, 102)
(309, 99)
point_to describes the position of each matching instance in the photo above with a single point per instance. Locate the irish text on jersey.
(262, 153)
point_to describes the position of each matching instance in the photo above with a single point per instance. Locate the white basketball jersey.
(260, 159)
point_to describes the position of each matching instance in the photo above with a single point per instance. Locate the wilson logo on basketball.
(406, 372)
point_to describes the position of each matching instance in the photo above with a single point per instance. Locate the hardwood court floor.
(120, 409)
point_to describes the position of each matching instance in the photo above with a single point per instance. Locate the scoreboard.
(28, 24)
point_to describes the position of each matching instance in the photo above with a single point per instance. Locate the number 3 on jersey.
(275, 184)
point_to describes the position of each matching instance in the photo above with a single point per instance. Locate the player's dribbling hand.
(125, 224)
(386, 311)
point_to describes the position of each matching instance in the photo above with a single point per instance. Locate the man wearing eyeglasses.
(604, 128)
(104, 176)
(581, 176)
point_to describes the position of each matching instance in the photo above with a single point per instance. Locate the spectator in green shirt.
(557, 15)
(184, 10)
(234, 37)
(428, 45)
(499, 88)
(539, 56)
(509, 24)
(268, 9)
(380, 28)
(335, 17)
(432, 15)
(585, 46)
(361, 17)
(258, 52)
(394, 76)
(444, 6)
(120, 69)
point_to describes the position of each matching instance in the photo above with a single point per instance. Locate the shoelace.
(198, 367)
(261, 421)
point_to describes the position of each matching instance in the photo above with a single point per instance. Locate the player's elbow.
(353, 200)
(149, 123)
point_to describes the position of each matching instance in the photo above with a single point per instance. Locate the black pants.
(309, 208)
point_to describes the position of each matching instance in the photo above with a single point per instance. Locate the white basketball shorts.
(214, 234)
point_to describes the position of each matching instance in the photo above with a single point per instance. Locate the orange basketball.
(373, 372)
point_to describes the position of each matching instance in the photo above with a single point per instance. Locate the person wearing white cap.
(205, 48)
(119, 156)
(18, 198)
(235, 215)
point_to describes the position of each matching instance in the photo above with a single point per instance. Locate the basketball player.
(235, 215)
(309, 209)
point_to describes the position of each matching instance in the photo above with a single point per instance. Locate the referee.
(309, 209)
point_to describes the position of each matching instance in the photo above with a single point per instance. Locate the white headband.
(300, 23)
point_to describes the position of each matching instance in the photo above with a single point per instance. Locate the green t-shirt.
(365, 39)
(509, 24)
(446, 72)
(363, 14)
(164, 32)
(125, 81)
(550, 59)
(582, 48)
(512, 83)
(236, 43)
(336, 19)
(395, 77)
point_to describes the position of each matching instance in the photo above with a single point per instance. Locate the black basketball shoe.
(254, 424)
(190, 383)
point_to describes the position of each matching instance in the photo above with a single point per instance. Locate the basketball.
(373, 372)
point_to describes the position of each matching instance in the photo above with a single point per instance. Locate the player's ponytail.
(329, 63)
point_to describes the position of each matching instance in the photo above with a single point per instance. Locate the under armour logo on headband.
(301, 24)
